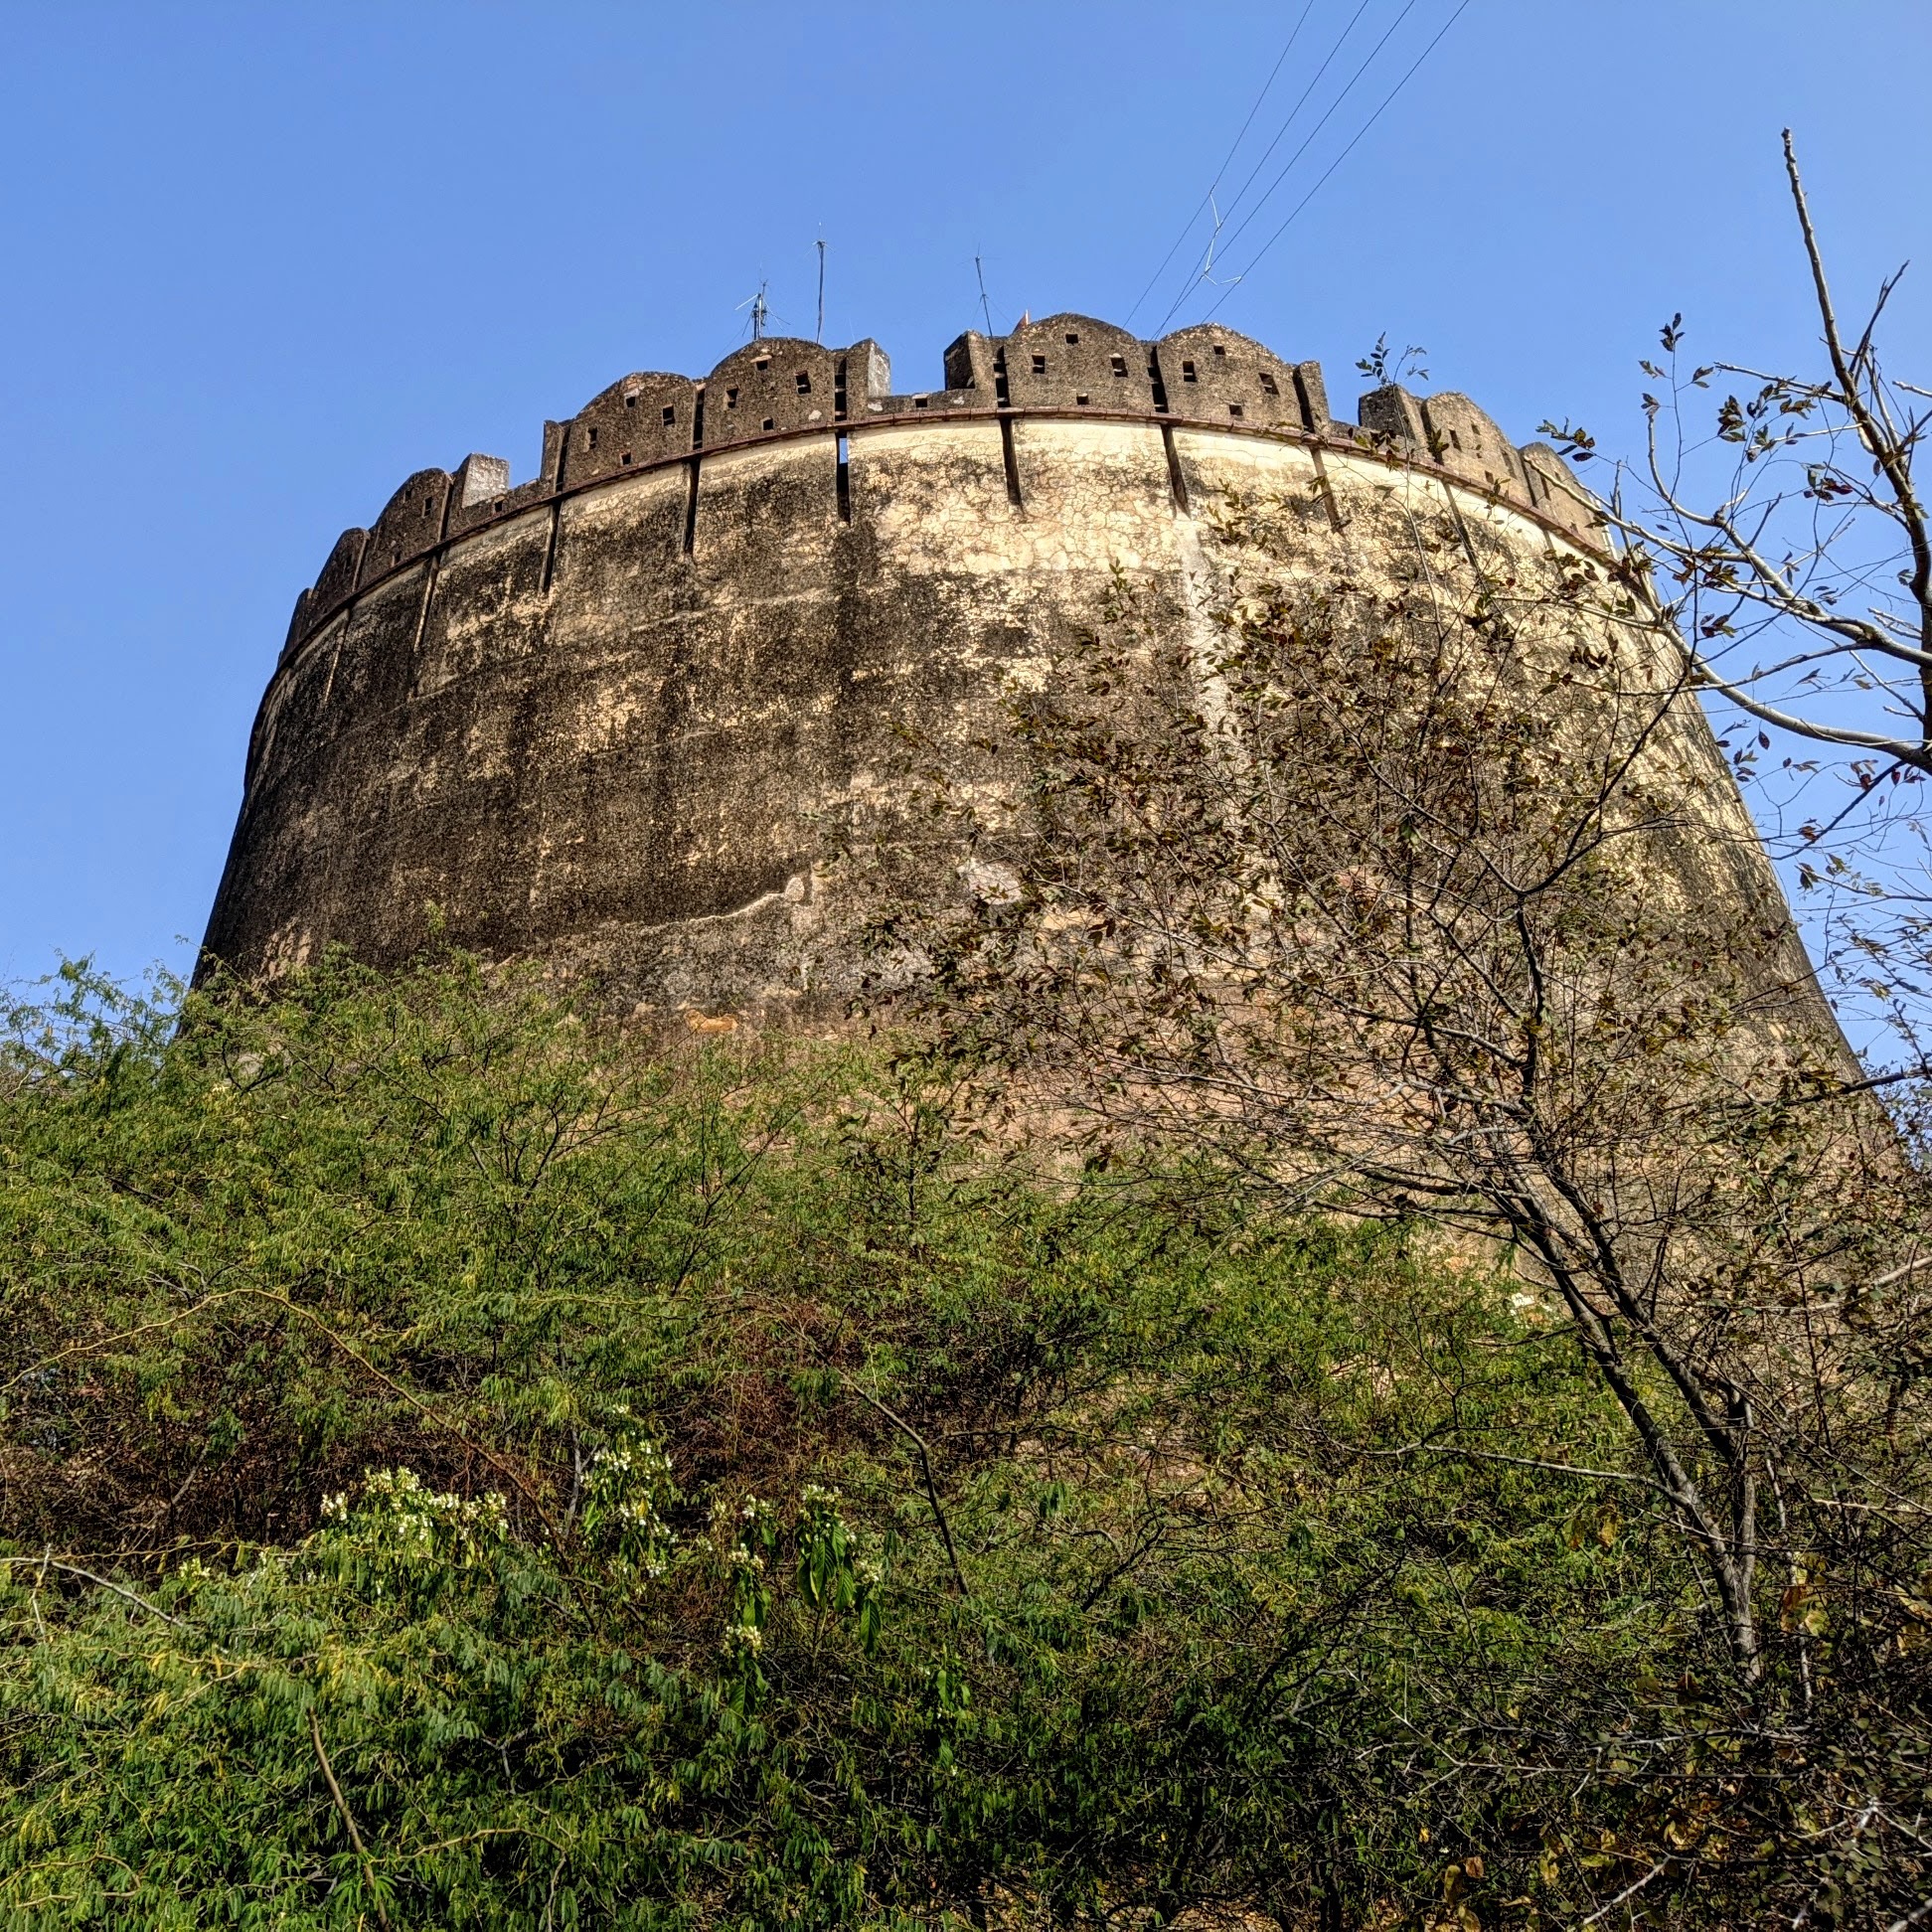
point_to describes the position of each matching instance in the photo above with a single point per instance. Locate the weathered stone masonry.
(608, 716)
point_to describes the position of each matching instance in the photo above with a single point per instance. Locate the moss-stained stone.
(623, 725)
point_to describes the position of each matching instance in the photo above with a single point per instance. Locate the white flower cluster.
(416, 1520)
(644, 1460)
(626, 1484)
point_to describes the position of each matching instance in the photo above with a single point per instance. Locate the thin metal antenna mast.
(819, 337)
(986, 308)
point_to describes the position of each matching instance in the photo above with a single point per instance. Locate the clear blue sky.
(266, 260)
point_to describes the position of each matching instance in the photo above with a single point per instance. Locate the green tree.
(465, 1462)
(1411, 900)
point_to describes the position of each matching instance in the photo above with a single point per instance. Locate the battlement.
(659, 716)
(1059, 365)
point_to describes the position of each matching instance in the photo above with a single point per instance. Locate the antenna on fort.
(759, 311)
(986, 308)
(820, 336)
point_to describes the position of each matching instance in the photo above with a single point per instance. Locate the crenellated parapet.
(658, 716)
(1060, 366)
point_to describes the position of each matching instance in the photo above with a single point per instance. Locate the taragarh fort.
(614, 717)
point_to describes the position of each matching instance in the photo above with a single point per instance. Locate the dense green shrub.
(466, 1465)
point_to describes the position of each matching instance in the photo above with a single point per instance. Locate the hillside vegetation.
(465, 1465)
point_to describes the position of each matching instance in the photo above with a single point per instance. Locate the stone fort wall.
(615, 716)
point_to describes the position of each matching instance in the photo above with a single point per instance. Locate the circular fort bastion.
(615, 717)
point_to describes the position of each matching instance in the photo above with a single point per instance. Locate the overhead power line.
(1221, 220)
(1307, 141)
(1388, 100)
(1306, 8)
(1288, 166)
(1294, 114)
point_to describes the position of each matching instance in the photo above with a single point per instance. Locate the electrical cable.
(1208, 198)
(1328, 60)
(1281, 132)
(1288, 167)
(1386, 102)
